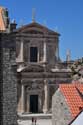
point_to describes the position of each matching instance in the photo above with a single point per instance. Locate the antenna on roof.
(33, 14)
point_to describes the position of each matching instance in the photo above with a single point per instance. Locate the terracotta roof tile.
(73, 97)
(2, 25)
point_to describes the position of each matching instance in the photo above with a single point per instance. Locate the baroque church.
(39, 67)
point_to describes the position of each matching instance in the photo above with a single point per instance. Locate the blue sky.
(64, 16)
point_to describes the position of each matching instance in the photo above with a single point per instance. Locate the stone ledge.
(26, 116)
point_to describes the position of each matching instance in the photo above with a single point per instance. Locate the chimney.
(6, 17)
(13, 26)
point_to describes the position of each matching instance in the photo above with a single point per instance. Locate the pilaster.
(44, 52)
(22, 98)
(46, 99)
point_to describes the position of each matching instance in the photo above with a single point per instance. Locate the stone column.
(38, 55)
(44, 52)
(20, 57)
(22, 98)
(21, 51)
(28, 102)
(39, 102)
(46, 99)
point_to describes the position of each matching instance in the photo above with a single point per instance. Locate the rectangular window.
(33, 54)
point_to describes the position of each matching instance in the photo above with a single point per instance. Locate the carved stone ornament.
(34, 86)
(34, 68)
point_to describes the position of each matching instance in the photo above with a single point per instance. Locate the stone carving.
(34, 86)
(34, 68)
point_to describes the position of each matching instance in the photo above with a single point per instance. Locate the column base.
(45, 111)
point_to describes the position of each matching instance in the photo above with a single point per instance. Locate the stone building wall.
(60, 110)
(8, 81)
(1, 80)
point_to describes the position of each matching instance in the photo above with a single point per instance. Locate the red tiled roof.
(73, 98)
(2, 25)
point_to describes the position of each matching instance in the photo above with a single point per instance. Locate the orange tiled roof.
(2, 25)
(73, 97)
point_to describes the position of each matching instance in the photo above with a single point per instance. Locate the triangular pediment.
(36, 28)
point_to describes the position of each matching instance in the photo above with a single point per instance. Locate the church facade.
(39, 68)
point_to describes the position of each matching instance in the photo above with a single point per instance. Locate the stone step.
(38, 122)
(24, 116)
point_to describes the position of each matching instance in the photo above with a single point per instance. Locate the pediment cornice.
(35, 28)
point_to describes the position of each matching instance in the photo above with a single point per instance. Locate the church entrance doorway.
(34, 103)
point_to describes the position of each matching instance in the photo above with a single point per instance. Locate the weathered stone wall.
(9, 84)
(1, 80)
(60, 111)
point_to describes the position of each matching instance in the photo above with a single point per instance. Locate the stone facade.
(8, 82)
(60, 111)
(1, 82)
(39, 68)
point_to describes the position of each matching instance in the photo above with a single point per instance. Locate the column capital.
(45, 81)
